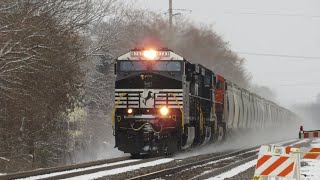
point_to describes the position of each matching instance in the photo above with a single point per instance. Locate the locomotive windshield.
(172, 66)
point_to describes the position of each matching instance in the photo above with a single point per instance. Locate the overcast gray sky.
(275, 27)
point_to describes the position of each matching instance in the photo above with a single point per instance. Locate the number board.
(159, 53)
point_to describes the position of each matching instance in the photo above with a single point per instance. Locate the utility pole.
(170, 13)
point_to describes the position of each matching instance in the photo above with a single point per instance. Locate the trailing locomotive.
(164, 103)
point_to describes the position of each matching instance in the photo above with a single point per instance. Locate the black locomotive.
(164, 103)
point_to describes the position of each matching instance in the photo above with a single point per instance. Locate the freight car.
(164, 103)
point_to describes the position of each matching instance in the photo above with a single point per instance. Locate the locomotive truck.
(165, 103)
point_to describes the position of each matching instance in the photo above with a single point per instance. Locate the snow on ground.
(80, 169)
(122, 170)
(311, 168)
(310, 171)
(5, 159)
(212, 162)
(238, 140)
(234, 171)
(315, 143)
(301, 141)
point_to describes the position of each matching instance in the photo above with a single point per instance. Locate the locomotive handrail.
(182, 114)
(115, 108)
(138, 129)
(200, 97)
(201, 119)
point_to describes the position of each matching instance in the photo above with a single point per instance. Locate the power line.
(280, 55)
(302, 84)
(274, 14)
(171, 14)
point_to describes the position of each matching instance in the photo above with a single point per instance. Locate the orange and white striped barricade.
(278, 161)
(310, 153)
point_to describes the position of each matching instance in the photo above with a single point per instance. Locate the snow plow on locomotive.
(164, 103)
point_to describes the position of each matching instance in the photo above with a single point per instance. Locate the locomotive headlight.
(164, 111)
(130, 111)
(150, 54)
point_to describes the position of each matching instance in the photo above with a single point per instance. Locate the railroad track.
(148, 169)
(178, 171)
(77, 169)
(39, 172)
(205, 168)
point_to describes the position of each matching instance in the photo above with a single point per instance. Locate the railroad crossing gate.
(278, 161)
(309, 134)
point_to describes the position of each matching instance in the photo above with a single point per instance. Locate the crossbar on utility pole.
(170, 13)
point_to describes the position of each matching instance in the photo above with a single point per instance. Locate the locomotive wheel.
(135, 156)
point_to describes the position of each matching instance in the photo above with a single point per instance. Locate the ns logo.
(146, 97)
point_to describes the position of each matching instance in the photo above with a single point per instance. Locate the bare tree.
(198, 43)
(41, 48)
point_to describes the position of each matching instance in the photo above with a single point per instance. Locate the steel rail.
(224, 168)
(91, 171)
(156, 174)
(180, 168)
